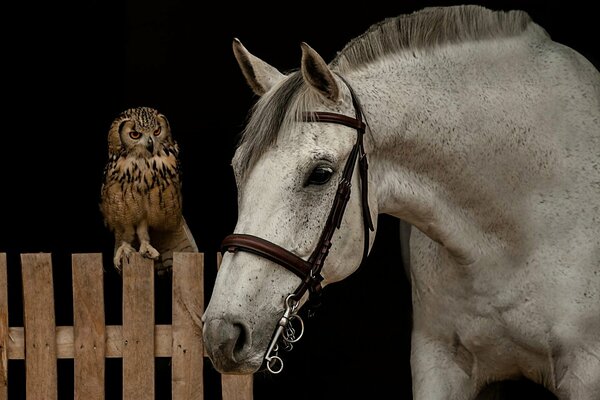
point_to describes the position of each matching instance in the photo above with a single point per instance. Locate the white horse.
(483, 135)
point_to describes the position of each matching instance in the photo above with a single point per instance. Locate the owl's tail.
(180, 240)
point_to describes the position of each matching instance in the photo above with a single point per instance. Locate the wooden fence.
(89, 341)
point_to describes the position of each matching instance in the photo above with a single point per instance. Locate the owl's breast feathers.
(137, 188)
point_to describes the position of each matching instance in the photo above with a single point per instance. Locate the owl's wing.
(168, 242)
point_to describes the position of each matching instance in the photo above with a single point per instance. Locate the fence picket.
(236, 387)
(40, 327)
(138, 329)
(3, 329)
(89, 329)
(89, 341)
(188, 306)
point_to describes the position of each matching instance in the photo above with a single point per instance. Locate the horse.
(482, 136)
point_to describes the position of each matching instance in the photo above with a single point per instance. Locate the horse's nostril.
(226, 341)
(240, 343)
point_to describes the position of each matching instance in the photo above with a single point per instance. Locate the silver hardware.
(288, 333)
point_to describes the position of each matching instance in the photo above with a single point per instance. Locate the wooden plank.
(65, 342)
(89, 329)
(3, 329)
(39, 321)
(188, 305)
(236, 387)
(114, 341)
(16, 343)
(138, 328)
(163, 342)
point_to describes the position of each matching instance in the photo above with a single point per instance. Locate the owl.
(140, 197)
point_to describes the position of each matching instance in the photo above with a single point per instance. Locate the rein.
(310, 270)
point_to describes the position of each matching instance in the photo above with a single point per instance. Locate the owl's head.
(141, 131)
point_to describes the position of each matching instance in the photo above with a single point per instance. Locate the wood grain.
(89, 329)
(188, 306)
(3, 329)
(39, 321)
(236, 387)
(138, 329)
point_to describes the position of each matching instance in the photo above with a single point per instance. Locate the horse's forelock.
(272, 113)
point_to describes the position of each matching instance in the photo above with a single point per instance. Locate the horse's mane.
(404, 34)
(426, 29)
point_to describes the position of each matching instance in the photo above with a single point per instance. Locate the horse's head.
(288, 167)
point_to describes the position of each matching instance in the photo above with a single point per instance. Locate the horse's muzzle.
(229, 347)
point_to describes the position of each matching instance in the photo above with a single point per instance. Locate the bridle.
(310, 270)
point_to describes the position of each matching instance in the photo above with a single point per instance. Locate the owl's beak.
(150, 145)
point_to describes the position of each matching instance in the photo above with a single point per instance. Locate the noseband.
(310, 270)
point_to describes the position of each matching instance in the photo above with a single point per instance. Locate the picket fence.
(40, 343)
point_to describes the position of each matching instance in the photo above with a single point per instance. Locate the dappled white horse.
(483, 135)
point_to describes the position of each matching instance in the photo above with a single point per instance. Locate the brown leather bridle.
(310, 270)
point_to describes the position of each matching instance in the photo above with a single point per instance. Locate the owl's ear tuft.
(122, 126)
(164, 123)
(115, 133)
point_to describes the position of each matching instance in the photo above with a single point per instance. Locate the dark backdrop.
(69, 69)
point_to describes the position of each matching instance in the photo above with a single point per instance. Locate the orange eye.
(157, 132)
(135, 135)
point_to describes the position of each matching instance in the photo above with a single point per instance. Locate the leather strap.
(310, 271)
(324, 116)
(264, 248)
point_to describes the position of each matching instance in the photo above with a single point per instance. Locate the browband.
(310, 271)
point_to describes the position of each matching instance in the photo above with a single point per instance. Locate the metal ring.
(294, 339)
(291, 302)
(276, 361)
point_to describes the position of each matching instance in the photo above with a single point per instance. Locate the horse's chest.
(485, 314)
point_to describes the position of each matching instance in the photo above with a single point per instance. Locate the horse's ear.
(259, 75)
(318, 75)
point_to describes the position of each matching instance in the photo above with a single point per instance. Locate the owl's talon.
(122, 254)
(148, 251)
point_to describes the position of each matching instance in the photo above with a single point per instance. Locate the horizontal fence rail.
(40, 343)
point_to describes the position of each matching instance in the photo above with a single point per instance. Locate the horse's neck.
(447, 144)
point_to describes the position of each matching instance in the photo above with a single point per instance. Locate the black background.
(69, 69)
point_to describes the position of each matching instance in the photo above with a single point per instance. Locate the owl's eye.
(135, 135)
(157, 131)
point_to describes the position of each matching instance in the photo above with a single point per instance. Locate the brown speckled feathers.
(141, 189)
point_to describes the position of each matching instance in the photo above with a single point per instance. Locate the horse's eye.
(320, 175)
